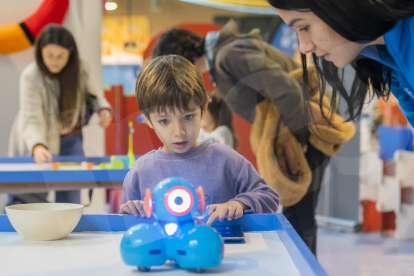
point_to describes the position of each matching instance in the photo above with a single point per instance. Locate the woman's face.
(317, 37)
(55, 57)
(207, 122)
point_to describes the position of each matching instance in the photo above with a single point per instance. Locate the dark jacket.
(247, 69)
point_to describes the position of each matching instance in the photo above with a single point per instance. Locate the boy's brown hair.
(167, 82)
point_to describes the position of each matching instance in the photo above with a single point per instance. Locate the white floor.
(350, 254)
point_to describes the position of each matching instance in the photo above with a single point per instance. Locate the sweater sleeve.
(248, 63)
(253, 191)
(33, 118)
(130, 187)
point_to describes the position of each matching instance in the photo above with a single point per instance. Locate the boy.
(171, 95)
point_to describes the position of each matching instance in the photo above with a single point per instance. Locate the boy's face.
(177, 130)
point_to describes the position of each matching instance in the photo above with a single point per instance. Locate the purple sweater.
(223, 173)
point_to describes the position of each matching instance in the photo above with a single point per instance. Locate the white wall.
(11, 66)
(84, 21)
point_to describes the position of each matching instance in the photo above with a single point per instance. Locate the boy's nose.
(179, 130)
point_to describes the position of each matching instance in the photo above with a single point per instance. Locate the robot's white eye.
(179, 200)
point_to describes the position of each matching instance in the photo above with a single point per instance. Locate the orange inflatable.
(20, 36)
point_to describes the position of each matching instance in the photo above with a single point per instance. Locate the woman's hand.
(105, 118)
(41, 154)
(230, 210)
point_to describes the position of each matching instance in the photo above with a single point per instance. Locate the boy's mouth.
(180, 145)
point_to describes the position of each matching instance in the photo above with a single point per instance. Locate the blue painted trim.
(308, 264)
(116, 222)
(45, 176)
(79, 159)
(303, 258)
(233, 7)
(62, 176)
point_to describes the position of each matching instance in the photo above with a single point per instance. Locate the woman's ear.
(147, 121)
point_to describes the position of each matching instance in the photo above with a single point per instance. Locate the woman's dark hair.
(359, 21)
(222, 115)
(179, 42)
(69, 76)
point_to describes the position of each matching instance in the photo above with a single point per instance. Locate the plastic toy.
(72, 165)
(122, 161)
(130, 154)
(172, 232)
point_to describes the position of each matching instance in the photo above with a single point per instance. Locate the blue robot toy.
(172, 232)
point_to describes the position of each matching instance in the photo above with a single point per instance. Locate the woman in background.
(56, 101)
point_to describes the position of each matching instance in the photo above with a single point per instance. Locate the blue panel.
(233, 7)
(285, 39)
(392, 139)
(95, 160)
(121, 74)
(63, 176)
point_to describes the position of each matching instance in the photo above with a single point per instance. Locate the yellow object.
(253, 3)
(263, 141)
(13, 39)
(44, 221)
(130, 154)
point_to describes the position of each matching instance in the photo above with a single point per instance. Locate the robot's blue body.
(173, 234)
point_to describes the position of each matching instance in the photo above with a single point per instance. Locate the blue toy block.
(393, 139)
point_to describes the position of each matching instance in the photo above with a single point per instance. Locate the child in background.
(217, 123)
(172, 98)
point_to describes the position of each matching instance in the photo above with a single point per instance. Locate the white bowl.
(44, 221)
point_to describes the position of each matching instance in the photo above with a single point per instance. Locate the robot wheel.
(143, 269)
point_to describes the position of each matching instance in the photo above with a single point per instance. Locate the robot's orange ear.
(201, 201)
(148, 203)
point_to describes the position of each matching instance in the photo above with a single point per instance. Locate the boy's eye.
(163, 122)
(188, 117)
(304, 29)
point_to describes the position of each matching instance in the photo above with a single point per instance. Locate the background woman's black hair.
(69, 76)
(222, 115)
(359, 21)
(180, 42)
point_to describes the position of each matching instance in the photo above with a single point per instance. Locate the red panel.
(125, 110)
(50, 11)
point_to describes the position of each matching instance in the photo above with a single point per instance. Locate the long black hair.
(222, 115)
(69, 76)
(359, 21)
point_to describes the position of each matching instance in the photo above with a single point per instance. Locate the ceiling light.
(110, 6)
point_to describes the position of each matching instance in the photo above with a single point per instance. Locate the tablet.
(231, 233)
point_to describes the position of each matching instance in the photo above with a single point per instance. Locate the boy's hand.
(133, 207)
(231, 210)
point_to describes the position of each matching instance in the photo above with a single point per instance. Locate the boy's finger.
(223, 213)
(125, 209)
(132, 208)
(212, 218)
(238, 213)
(140, 207)
(231, 212)
(212, 208)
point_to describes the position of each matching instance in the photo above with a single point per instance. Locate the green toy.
(122, 161)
